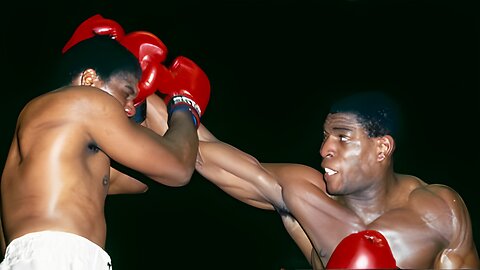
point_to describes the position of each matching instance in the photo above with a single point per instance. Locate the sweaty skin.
(426, 225)
(58, 171)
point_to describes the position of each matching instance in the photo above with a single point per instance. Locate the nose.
(327, 149)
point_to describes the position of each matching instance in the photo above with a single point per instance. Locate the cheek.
(357, 159)
(353, 151)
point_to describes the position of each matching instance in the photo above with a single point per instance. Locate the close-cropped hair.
(101, 53)
(375, 111)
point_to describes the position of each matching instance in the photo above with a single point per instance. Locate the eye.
(344, 138)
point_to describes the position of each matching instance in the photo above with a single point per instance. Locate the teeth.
(330, 171)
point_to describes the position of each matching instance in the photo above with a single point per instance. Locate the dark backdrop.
(274, 67)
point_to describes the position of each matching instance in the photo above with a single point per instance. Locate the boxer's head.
(375, 112)
(102, 62)
(106, 56)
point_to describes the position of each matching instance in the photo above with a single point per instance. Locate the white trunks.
(52, 250)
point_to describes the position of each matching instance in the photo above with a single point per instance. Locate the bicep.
(460, 251)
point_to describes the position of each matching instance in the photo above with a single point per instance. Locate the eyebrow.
(341, 129)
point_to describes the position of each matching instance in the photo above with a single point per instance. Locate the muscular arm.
(167, 159)
(258, 184)
(243, 177)
(460, 251)
(156, 120)
(237, 173)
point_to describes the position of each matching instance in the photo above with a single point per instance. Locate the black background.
(274, 68)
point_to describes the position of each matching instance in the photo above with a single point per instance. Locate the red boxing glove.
(95, 25)
(184, 83)
(363, 250)
(151, 52)
(189, 89)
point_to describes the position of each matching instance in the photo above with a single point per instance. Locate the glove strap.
(184, 104)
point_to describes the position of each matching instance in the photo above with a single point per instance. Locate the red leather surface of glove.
(363, 250)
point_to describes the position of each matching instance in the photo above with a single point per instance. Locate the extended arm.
(236, 172)
(263, 185)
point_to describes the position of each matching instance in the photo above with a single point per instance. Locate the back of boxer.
(58, 170)
(359, 214)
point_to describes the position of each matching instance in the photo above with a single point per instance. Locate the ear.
(385, 147)
(88, 77)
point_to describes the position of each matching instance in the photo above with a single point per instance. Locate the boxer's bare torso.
(56, 177)
(420, 222)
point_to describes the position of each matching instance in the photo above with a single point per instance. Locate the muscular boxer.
(359, 214)
(59, 168)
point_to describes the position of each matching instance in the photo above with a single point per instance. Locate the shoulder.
(82, 93)
(73, 104)
(71, 95)
(420, 191)
(450, 198)
(85, 100)
(437, 193)
(443, 209)
(440, 206)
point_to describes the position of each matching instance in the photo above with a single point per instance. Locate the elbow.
(186, 177)
(176, 174)
(182, 169)
(183, 175)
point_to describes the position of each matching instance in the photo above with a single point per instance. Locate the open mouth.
(329, 171)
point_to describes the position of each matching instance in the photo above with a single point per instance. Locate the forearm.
(183, 140)
(237, 173)
(204, 135)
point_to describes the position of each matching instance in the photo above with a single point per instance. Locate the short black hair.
(103, 54)
(377, 112)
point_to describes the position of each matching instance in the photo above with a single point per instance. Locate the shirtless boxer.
(359, 213)
(58, 171)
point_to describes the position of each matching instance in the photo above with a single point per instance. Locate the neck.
(374, 200)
